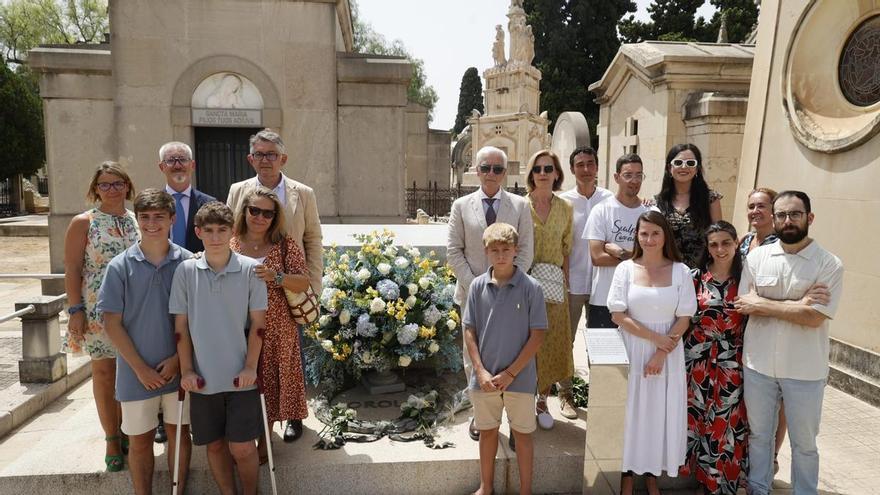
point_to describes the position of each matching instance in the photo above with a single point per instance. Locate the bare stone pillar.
(42, 360)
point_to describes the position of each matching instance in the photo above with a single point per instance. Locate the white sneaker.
(545, 420)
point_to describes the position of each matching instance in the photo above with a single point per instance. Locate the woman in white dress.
(652, 300)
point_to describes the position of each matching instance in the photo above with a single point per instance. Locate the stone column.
(42, 360)
(603, 452)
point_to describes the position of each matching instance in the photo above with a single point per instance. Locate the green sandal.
(116, 462)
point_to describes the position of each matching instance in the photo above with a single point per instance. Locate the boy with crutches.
(214, 299)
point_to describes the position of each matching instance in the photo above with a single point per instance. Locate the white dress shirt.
(580, 265)
(280, 190)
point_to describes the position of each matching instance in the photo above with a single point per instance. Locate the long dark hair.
(706, 258)
(670, 250)
(699, 196)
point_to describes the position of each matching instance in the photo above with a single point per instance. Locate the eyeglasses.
(270, 156)
(255, 212)
(679, 163)
(633, 177)
(795, 216)
(116, 186)
(496, 169)
(176, 159)
(548, 169)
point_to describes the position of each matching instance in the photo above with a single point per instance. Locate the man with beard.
(785, 353)
(177, 164)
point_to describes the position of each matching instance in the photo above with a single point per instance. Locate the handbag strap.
(284, 254)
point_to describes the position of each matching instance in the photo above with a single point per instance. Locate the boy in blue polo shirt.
(220, 306)
(504, 320)
(134, 300)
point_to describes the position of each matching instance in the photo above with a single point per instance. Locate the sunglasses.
(548, 169)
(255, 212)
(496, 169)
(689, 163)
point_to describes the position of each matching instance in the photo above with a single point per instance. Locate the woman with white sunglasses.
(687, 202)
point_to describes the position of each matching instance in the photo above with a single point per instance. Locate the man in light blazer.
(177, 164)
(470, 216)
(268, 155)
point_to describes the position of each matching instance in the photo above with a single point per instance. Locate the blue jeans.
(803, 412)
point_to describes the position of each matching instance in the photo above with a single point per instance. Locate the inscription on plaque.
(605, 346)
(226, 117)
(859, 69)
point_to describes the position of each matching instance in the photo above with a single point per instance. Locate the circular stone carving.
(831, 93)
(859, 70)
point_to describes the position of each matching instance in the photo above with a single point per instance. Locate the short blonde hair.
(109, 167)
(500, 232)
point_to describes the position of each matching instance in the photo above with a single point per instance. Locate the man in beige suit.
(471, 215)
(268, 155)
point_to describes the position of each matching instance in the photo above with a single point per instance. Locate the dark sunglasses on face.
(689, 163)
(548, 169)
(267, 214)
(495, 169)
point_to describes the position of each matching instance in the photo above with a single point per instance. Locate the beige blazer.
(302, 223)
(464, 246)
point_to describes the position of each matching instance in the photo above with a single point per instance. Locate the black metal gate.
(6, 206)
(221, 158)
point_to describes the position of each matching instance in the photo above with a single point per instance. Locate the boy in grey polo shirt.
(213, 298)
(134, 300)
(504, 320)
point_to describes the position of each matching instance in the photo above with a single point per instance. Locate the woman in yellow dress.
(552, 216)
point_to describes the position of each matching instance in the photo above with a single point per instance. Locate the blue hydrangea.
(388, 289)
(326, 295)
(432, 315)
(327, 280)
(407, 334)
(346, 333)
(364, 327)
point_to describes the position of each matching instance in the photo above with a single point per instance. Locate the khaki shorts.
(141, 416)
(488, 406)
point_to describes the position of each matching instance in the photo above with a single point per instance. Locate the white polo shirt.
(580, 265)
(779, 348)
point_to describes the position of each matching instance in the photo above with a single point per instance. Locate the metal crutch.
(181, 396)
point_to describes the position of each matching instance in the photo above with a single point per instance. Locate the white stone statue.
(498, 47)
(516, 3)
(228, 93)
(529, 46)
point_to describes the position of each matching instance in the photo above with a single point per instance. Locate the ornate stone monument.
(512, 121)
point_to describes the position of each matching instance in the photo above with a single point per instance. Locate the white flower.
(432, 315)
(361, 256)
(424, 282)
(410, 302)
(324, 320)
(403, 361)
(344, 258)
(383, 268)
(367, 357)
(363, 274)
(401, 262)
(377, 305)
(433, 347)
(413, 288)
(450, 324)
(414, 252)
(344, 317)
(391, 251)
(327, 345)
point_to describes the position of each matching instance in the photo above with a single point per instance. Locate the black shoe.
(511, 442)
(293, 430)
(161, 436)
(473, 431)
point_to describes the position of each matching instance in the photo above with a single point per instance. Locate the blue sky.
(450, 36)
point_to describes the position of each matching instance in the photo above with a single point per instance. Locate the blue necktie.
(178, 231)
(490, 212)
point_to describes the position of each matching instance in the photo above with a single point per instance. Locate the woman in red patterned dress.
(717, 426)
(259, 234)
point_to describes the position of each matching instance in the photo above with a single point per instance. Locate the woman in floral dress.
(717, 426)
(552, 217)
(686, 201)
(93, 239)
(259, 234)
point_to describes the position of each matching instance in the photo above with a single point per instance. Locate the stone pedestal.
(387, 382)
(42, 361)
(603, 452)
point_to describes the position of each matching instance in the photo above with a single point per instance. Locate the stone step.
(855, 370)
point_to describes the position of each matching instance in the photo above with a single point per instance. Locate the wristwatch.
(279, 278)
(76, 308)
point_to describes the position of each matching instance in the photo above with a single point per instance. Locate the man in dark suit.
(176, 162)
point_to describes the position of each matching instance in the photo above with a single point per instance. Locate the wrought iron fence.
(43, 186)
(6, 206)
(437, 201)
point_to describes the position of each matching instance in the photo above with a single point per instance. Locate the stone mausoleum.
(210, 73)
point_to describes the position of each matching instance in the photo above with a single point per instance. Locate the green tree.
(22, 146)
(671, 20)
(742, 17)
(367, 40)
(470, 97)
(575, 40)
(25, 24)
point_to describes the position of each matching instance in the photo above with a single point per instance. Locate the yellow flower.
(337, 337)
(425, 265)
(427, 332)
(454, 315)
